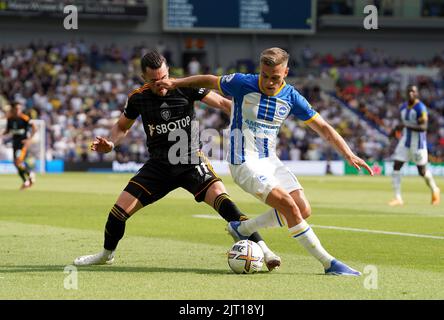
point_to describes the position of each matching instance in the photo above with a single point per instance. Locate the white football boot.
(104, 257)
(27, 184)
(32, 177)
(272, 261)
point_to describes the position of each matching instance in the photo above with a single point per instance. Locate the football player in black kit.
(18, 125)
(165, 113)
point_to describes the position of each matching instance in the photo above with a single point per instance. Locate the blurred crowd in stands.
(79, 93)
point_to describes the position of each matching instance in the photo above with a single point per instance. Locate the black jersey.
(167, 120)
(18, 127)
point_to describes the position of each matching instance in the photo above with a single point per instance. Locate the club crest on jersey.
(282, 111)
(165, 114)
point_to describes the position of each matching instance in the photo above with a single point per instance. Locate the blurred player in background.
(413, 146)
(18, 125)
(164, 112)
(261, 103)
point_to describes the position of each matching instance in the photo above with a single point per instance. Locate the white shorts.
(259, 177)
(412, 154)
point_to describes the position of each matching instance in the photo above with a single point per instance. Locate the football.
(245, 256)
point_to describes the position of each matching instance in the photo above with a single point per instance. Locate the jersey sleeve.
(421, 111)
(26, 119)
(231, 84)
(130, 110)
(302, 109)
(196, 94)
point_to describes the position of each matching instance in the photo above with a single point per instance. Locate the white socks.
(430, 181)
(308, 239)
(396, 181)
(269, 219)
(264, 247)
(301, 232)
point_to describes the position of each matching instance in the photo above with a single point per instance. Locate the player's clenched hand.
(358, 163)
(102, 145)
(169, 84)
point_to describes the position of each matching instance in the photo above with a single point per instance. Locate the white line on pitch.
(207, 216)
(380, 232)
(402, 234)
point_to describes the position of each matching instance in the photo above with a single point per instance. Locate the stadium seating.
(79, 91)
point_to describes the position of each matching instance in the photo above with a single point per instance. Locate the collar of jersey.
(411, 106)
(277, 92)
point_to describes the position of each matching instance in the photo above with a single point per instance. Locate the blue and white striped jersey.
(410, 116)
(256, 118)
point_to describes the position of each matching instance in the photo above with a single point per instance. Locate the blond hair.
(274, 56)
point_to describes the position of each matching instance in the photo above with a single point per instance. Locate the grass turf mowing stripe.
(153, 268)
(402, 234)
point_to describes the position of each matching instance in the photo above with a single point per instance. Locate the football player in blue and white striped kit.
(261, 102)
(413, 145)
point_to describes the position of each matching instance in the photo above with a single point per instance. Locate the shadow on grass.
(106, 268)
(111, 268)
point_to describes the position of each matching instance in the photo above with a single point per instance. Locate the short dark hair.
(152, 60)
(15, 104)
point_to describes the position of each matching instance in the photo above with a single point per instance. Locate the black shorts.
(157, 178)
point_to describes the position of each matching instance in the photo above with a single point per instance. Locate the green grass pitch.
(168, 253)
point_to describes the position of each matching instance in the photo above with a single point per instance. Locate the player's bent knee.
(422, 170)
(135, 191)
(214, 191)
(306, 213)
(284, 203)
(129, 203)
(217, 187)
(398, 165)
(290, 206)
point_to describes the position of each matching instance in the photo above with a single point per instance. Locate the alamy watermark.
(371, 20)
(216, 145)
(71, 21)
(71, 281)
(371, 277)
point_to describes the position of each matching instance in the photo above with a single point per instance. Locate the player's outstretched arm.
(200, 81)
(118, 132)
(217, 101)
(327, 132)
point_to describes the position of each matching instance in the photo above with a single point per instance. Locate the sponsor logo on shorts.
(262, 178)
